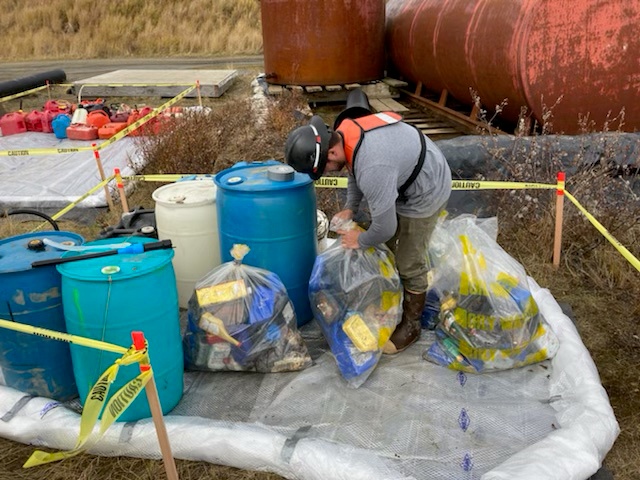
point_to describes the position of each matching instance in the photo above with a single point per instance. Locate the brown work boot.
(408, 330)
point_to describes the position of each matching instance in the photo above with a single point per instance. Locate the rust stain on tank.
(581, 55)
(323, 42)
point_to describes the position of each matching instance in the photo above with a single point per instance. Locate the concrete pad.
(156, 83)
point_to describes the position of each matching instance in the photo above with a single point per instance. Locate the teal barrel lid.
(120, 266)
(260, 177)
(19, 252)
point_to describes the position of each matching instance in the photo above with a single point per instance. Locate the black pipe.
(18, 85)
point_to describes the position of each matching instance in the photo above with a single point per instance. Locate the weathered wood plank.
(393, 106)
(377, 105)
(392, 82)
(275, 89)
(434, 131)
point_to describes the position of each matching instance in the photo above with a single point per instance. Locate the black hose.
(18, 85)
(28, 211)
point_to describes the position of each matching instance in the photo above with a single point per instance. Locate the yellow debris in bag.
(223, 292)
(360, 334)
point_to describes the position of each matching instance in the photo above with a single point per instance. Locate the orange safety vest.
(353, 131)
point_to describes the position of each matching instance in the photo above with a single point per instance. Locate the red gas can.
(57, 106)
(108, 130)
(79, 131)
(12, 123)
(47, 121)
(33, 120)
(137, 115)
(97, 118)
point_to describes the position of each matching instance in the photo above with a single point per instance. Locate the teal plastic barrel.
(106, 298)
(271, 208)
(32, 296)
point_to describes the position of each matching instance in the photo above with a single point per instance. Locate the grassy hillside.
(56, 29)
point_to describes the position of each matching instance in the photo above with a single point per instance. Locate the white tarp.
(55, 180)
(410, 420)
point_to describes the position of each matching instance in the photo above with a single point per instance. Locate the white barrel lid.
(190, 192)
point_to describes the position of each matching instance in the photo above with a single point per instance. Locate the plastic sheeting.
(410, 420)
(55, 180)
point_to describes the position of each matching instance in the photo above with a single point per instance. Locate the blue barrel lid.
(120, 266)
(261, 176)
(19, 252)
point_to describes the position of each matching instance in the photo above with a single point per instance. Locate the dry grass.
(89, 467)
(58, 29)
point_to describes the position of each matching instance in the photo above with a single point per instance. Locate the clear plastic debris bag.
(356, 297)
(240, 318)
(488, 318)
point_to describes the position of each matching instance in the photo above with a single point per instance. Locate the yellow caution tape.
(56, 151)
(63, 337)
(341, 182)
(169, 177)
(24, 152)
(146, 84)
(82, 197)
(59, 214)
(94, 405)
(489, 185)
(22, 94)
(617, 245)
(331, 182)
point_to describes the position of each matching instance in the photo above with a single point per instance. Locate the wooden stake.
(198, 89)
(443, 97)
(123, 196)
(557, 237)
(156, 413)
(96, 154)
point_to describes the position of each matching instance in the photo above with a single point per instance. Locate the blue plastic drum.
(35, 365)
(107, 298)
(272, 209)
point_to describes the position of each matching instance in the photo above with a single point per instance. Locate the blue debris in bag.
(351, 362)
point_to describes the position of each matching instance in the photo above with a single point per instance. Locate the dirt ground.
(607, 319)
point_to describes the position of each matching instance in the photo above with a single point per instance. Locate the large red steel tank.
(323, 42)
(579, 58)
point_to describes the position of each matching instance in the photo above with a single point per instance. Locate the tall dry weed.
(598, 180)
(204, 142)
(60, 29)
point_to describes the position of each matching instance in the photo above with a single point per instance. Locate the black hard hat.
(357, 106)
(307, 146)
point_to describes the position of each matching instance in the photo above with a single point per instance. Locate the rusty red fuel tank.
(579, 58)
(323, 42)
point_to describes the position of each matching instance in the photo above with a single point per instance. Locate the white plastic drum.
(186, 214)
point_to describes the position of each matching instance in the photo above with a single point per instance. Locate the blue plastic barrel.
(106, 298)
(32, 364)
(272, 209)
